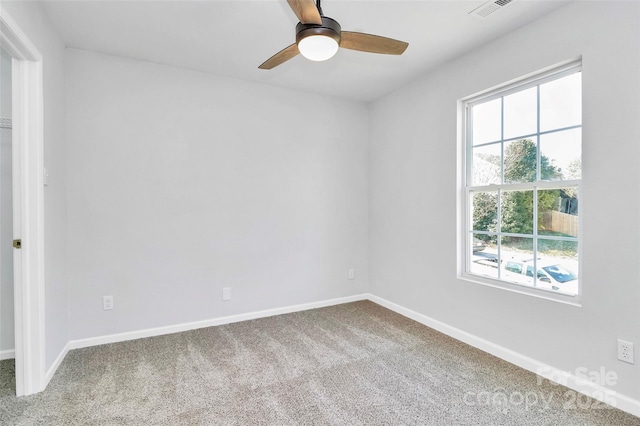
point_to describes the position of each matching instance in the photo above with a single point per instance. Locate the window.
(522, 180)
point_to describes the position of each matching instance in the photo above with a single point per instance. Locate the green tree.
(520, 163)
(485, 204)
(485, 213)
(520, 158)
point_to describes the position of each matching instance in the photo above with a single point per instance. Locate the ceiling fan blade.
(282, 56)
(372, 43)
(306, 11)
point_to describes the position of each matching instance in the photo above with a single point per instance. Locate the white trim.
(15, 41)
(545, 75)
(27, 84)
(159, 331)
(54, 367)
(596, 391)
(7, 354)
(465, 154)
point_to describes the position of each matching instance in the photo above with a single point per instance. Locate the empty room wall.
(414, 190)
(33, 21)
(182, 183)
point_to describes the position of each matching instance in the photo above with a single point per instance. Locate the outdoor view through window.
(523, 173)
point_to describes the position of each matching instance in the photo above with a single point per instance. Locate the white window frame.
(466, 148)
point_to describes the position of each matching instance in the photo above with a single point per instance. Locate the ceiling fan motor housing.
(329, 28)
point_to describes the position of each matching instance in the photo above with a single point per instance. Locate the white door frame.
(28, 205)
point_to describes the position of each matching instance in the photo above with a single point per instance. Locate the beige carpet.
(353, 364)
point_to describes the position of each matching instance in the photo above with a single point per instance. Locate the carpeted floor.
(352, 364)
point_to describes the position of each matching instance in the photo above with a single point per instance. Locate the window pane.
(521, 113)
(517, 212)
(558, 212)
(484, 211)
(484, 258)
(561, 103)
(524, 168)
(558, 265)
(561, 154)
(487, 162)
(520, 159)
(565, 251)
(516, 254)
(487, 122)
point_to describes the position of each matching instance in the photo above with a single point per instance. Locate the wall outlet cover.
(107, 303)
(625, 351)
(226, 293)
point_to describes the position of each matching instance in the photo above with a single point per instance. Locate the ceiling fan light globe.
(318, 47)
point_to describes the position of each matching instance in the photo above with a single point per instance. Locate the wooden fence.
(560, 222)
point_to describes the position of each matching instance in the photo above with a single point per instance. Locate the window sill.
(522, 289)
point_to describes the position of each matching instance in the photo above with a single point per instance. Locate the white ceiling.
(232, 37)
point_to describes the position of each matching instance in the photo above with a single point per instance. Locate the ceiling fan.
(318, 37)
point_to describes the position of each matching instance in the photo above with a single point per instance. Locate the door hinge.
(17, 243)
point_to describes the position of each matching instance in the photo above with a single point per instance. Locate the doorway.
(7, 323)
(28, 205)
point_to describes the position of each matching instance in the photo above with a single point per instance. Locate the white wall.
(33, 21)
(7, 336)
(414, 190)
(181, 183)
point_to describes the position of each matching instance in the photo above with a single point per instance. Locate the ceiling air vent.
(488, 8)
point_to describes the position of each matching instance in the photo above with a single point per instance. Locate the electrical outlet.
(352, 274)
(226, 293)
(107, 303)
(625, 351)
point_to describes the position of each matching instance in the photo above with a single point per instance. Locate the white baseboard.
(579, 384)
(54, 367)
(158, 331)
(7, 354)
